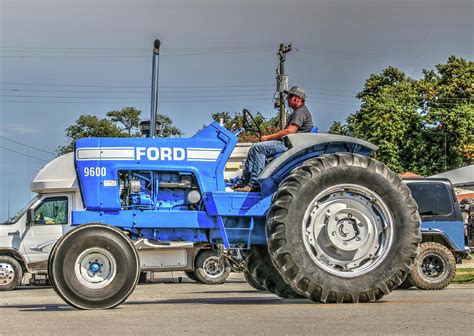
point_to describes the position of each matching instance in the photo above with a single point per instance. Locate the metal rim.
(432, 266)
(95, 268)
(213, 267)
(347, 230)
(7, 274)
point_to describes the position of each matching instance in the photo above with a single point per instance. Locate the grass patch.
(464, 276)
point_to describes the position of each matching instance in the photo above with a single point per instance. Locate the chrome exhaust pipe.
(154, 88)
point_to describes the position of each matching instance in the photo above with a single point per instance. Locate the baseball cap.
(297, 91)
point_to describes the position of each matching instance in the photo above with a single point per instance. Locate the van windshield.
(20, 213)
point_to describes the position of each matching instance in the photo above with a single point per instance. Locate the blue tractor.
(330, 224)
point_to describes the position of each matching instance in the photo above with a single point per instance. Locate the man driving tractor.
(300, 121)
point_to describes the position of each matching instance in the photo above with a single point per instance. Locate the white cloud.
(18, 129)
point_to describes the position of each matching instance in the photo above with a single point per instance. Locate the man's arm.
(292, 128)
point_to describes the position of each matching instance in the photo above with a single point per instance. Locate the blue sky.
(62, 59)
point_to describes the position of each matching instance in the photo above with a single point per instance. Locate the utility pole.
(282, 83)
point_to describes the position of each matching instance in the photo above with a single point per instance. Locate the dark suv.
(442, 232)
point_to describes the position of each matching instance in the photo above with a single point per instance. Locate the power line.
(135, 102)
(163, 54)
(94, 49)
(104, 97)
(29, 156)
(141, 87)
(23, 144)
(129, 92)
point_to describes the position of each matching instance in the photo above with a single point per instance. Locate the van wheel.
(11, 273)
(94, 266)
(435, 267)
(211, 268)
(343, 228)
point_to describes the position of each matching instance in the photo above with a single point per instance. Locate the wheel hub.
(95, 268)
(213, 267)
(432, 267)
(7, 274)
(347, 229)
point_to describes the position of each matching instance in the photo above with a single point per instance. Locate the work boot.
(247, 188)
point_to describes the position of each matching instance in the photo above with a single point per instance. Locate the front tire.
(434, 268)
(94, 266)
(11, 273)
(343, 228)
(211, 268)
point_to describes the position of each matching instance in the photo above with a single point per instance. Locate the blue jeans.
(255, 162)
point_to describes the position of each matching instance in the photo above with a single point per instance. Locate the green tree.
(116, 124)
(267, 126)
(90, 126)
(128, 118)
(339, 128)
(449, 113)
(389, 117)
(166, 128)
(424, 126)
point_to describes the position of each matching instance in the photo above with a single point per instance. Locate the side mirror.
(30, 217)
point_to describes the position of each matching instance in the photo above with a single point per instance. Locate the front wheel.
(94, 266)
(343, 228)
(211, 268)
(11, 273)
(434, 268)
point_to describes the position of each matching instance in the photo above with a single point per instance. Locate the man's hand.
(292, 128)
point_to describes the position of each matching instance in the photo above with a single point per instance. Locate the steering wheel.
(250, 124)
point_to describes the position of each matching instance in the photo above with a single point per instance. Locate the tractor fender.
(304, 146)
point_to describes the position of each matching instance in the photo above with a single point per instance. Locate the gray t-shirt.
(301, 117)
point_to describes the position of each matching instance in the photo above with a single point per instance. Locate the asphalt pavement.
(187, 308)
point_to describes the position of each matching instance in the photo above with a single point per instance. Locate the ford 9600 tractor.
(329, 224)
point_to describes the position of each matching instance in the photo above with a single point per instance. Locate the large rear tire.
(261, 268)
(11, 273)
(405, 284)
(343, 228)
(434, 268)
(94, 266)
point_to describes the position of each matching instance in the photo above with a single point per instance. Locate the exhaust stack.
(154, 88)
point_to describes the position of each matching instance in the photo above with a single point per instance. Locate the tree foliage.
(128, 118)
(424, 126)
(117, 124)
(267, 126)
